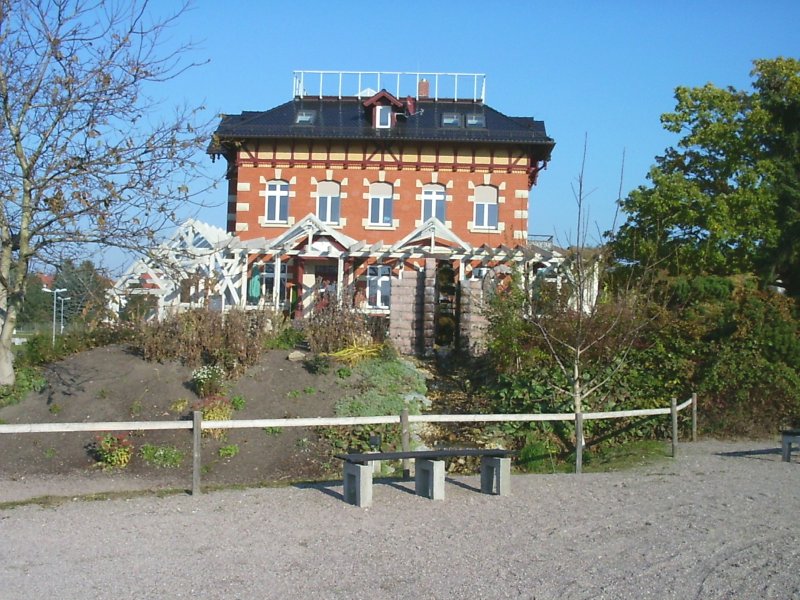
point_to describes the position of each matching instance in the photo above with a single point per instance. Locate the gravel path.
(721, 521)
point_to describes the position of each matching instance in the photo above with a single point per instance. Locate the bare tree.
(587, 321)
(84, 156)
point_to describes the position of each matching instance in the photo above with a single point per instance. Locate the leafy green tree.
(85, 157)
(726, 198)
(38, 305)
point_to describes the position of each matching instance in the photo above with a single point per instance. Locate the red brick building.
(347, 195)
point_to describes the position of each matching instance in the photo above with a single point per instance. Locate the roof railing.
(544, 241)
(338, 84)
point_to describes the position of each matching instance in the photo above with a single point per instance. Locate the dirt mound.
(113, 384)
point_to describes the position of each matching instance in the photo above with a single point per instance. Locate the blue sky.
(606, 70)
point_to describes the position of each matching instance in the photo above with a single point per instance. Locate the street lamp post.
(55, 293)
(62, 313)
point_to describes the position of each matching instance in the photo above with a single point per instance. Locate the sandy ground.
(720, 521)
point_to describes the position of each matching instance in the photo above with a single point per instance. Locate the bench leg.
(496, 475)
(358, 484)
(429, 478)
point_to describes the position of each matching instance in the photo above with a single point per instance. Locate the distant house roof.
(423, 120)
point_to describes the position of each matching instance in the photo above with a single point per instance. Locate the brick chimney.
(424, 88)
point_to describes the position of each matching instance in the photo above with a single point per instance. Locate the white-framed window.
(383, 117)
(268, 275)
(266, 287)
(277, 202)
(433, 201)
(451, 120)
(305, 117)
(479, 273)
(476, 121)
(485, 207)
(379, 286)
(380, 204)
(328, 201)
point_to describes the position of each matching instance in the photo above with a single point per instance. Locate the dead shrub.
(333, 328)
(233, 341)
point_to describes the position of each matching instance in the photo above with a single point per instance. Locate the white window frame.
(329, 197)
(476, 121)
(379, 286)
(381, 204)
(277, 198)
(268, 281)
(305, 117)
(486, 215)
(452, 120)
(383, 117)
(434, 200)
(479, 273)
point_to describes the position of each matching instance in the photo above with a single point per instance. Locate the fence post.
(197, 419)
(405, 441)
(694, 417)
(578, 443)
(673, 409)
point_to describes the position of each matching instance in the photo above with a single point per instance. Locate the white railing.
(403, 420)
(337, 84)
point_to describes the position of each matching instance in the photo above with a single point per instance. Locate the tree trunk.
(7, 352)
(577, 396)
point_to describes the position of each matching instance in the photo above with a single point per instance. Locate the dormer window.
(381, 107)
(383, 117)
(305, 117)
(476, 121)
(451, 120)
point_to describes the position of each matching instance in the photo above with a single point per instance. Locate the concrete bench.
(429, 472)
(789, 437)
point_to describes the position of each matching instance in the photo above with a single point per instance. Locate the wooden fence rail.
(197, 425)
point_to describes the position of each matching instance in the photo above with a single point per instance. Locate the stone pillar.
(496, 475)
(429, 307)
(406, 316)
(429, 478)
(473, 322)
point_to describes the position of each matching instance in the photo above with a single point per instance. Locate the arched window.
(433, 201)
(328, 201)
(380, 204)
(485, 207)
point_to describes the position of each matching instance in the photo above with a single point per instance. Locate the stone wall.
(413, 313)
(406, 324)
(473, 324)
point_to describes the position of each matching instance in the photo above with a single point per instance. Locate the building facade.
(396, 193)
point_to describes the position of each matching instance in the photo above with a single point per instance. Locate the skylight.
(305, 117)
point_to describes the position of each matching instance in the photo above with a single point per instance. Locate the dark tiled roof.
(347, 119)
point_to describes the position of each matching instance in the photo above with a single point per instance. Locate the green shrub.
(284, 337)
(538, 456)
(215, 408)
(39, 349)
(317, 364)
(163, 457)
(208, 380)
(238, 402)
(381, 388)
(28, 379)
(113, 451)
(228, 451)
